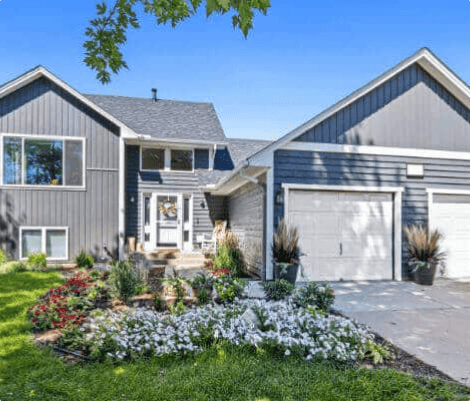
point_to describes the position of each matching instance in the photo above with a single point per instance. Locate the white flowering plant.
(280, 327)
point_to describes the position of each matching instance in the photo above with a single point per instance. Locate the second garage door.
(451, 215)
(344, 235)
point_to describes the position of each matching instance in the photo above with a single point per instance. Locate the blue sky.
(301, 58)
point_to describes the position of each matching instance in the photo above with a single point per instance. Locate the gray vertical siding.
(412, 110)
(42, 108)
(206, 208)
(304, 167)
(246, 218)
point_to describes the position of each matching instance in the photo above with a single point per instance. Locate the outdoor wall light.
(415, 170)
(279, 198)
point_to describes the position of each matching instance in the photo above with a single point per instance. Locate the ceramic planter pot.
(424, 275)
(287, 271)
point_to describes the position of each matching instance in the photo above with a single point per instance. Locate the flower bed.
(280, 327)
(62, 306)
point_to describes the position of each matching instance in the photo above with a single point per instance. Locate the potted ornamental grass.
(286, 252)
(424, 248)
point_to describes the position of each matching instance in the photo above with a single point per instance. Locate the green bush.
(314, 295)
(19, 267)
(84, 259)
(278, 289)
(228, 287)
(3, 256)
(123, 280)
(228, 258)
(38, 260)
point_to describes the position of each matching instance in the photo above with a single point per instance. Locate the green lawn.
(221, 373)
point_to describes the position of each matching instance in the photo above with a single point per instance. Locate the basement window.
(53, 241)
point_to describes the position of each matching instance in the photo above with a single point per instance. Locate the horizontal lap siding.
(206, 209)
(411, 110)
(302, 167)
(246, 217)
(42, 108)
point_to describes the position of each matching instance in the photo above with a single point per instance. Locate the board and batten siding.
(206, 208)
(323, 168)
(411, 110)
(246, 214)
(91, 214)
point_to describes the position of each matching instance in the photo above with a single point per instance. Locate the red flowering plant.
(62, 306)
(220, 272)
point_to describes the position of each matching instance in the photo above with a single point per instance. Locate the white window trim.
(45, 137)
(397, 212)
(43, 240)
(167, 160)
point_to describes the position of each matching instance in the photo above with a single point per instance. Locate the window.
(53, 241)
(182, 160)
(153, 159)
(43, 162)
(167, 159)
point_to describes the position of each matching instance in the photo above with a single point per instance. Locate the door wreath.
(167, 207)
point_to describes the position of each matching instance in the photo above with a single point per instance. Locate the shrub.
(19, 267)
(38, 260)
(285, 246)
(3, 256)
(178, 283)
(228, 287)
(227, 258)
(84, 259)
(278, 289)
(423, 245)
(123, 280)
(314, 295)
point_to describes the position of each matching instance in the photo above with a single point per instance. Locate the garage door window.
(52, 241)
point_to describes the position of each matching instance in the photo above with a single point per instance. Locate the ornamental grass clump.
(424, 246)
(228, 253)
(285, 246)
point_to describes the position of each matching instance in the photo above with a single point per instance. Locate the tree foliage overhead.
(106, 33)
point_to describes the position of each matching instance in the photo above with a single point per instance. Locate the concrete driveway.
(431, 323)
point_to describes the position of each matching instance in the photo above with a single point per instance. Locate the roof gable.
(39, 72)
(424, 58)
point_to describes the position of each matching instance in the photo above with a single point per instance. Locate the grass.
(221, 373)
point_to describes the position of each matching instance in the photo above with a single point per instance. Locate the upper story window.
(154, 159)
(37, 161)
(182, 160)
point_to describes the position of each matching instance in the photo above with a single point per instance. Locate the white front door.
(167, 221)
(344, 235)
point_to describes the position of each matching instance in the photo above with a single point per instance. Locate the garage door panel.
(451, 215)
(347, 235)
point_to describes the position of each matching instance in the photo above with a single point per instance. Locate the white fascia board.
(376, 150)
(423, 57)
(38, 72)
(342, 188)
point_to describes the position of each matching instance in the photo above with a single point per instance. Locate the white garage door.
(345, 235)
(451, 215)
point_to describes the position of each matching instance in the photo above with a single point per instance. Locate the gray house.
(89, 171)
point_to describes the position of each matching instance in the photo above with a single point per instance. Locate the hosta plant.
(321, 297)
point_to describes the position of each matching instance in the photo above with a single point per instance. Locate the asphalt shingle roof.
(164, 119)
(241, 149)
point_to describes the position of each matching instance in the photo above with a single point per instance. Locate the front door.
(167, 221)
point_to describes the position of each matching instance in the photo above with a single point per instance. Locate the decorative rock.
(102, 267)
